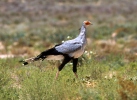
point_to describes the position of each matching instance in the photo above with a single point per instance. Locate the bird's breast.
(79, 52)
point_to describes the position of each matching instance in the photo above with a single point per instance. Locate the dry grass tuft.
(128, 89)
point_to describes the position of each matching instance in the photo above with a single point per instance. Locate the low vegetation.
(110, 78)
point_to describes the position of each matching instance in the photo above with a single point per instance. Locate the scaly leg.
(75, 62)
(57, 74)
(65, 61)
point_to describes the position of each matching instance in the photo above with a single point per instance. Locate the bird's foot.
(76, 75)
(57, 74)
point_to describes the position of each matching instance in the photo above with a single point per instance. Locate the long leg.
(75, 62)
(65, 61)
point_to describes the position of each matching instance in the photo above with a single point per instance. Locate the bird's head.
(86, 23)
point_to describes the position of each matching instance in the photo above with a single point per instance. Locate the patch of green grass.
(6, 90)
(97, 80)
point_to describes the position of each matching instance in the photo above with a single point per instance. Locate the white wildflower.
(90, 52)
(68, 37)
(70, 63)
(86, 52)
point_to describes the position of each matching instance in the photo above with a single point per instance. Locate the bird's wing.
(68, 47)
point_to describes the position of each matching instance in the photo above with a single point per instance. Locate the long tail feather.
(27, 61)
(30, 60)
(41, 56)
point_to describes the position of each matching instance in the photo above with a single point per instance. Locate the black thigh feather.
(46, 53)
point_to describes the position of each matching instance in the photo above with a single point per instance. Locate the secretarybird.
(68, 50)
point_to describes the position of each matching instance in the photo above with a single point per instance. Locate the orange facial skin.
(87, 23)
